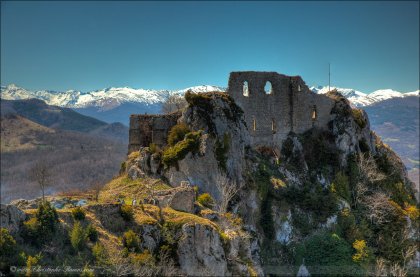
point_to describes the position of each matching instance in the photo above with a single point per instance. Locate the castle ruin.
(273, 105)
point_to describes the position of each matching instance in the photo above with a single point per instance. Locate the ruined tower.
(276, 104)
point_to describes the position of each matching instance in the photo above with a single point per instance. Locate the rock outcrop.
(11, 217)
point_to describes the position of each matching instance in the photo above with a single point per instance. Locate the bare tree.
(368, 174)
(359, 193)
(379, 208)
(368, 170)
(380, 268)
(167, 265)
(96, 187)
(174, 103)
(41, 174)
(227, 189)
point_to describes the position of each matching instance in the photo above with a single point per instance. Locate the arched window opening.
(245, 89)
(299, 89)
(273, 126)
(254, 125)
(314, 114)
(268, 88)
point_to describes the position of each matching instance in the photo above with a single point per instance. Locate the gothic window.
(254, 125)
(299, 89)
(245, 89)
(268, 87)
(314, 114)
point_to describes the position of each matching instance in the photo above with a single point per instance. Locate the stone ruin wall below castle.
(147, 129)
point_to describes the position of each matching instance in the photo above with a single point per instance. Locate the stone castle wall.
(146, 129)
(289, 106)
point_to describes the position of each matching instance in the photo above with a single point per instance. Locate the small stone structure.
(146, 129)
(273, 105)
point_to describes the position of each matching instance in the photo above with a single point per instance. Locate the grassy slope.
(19, 133)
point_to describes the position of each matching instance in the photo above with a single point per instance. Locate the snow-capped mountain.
(110, 98)
(107, 98)
(361, 99)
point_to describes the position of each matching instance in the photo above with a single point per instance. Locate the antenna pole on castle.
(329, 76)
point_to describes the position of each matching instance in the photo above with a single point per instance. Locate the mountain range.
(110, 98)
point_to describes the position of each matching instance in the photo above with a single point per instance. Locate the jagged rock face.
(200, 251)
(283, 225)
(11, 217)
(218, 122)
(183, 200)
(150, 237)
(303, 271)
(180, 199)
(351, 134)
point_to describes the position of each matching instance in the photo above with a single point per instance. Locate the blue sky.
(173, 45)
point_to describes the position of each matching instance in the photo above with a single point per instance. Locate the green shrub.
(7, 242)
(99, 252)
(313, 198)
(191, 143)
(126, 212)
(142, 259)
(47, 218)
(153, 148)
(266, 218)
(168, 234)
(78, 237)
(123, 168)
(206, 200)
(7, 248)
(328, 254)
(78, 213)
(30, 230)
(221, 149)
(177, 133)
(32, 261)
(131, 241)
(225, 240)
(320, 149)
(87, 272)
(341, 186)
(92, 233)
(359, 118)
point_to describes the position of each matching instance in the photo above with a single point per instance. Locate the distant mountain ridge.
(67, 119)
(110, 98)
(106, 99)
(361, 99)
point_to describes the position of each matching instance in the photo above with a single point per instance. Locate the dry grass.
(128, 189)
(180, 218)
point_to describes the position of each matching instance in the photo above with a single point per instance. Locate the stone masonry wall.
(145, 129)
(289, 106)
